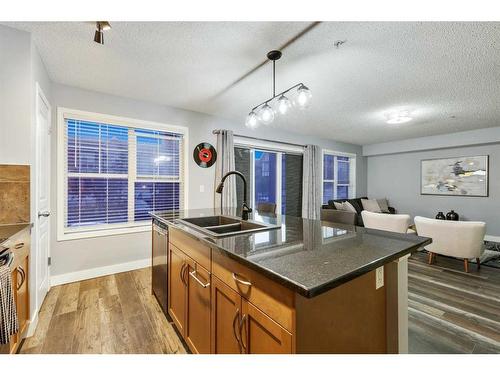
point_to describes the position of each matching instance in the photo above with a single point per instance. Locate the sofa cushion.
(348, 206)
(339, 205)
(371, 205)
(384, 205)
(356, 203)
(345, 206)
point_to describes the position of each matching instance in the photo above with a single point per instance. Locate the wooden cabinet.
(240, 327)
(197, 331)
(226, 318)
(177, 287)
(21, 296)
(220, 305)
(189, 298)
(262, 335)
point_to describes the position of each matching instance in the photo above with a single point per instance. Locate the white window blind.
(115, 175)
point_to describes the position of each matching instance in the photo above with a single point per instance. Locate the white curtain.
(311, 183)
(224, 164)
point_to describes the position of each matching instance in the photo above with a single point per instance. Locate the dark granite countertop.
(308, 256)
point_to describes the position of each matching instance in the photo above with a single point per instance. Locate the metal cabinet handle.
(23, 277)
(242, 324)
(238, 280)
(181, 273)
(235, 332)
(193, 275)
(18, 245)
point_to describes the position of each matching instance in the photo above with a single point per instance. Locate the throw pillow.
(338, 205)
(348, 207)
(384, 205)
(371, 205)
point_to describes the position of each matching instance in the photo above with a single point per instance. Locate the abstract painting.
(462, 176)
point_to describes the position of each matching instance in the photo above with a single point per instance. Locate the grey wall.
(15, 99)
(83, 254)
(397, 177)
(21, 68)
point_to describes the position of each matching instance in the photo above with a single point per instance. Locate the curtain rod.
(217, 131)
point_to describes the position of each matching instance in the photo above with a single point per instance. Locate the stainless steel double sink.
(225, 226)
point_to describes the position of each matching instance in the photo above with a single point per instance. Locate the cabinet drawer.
(273, 299)
(193, 248)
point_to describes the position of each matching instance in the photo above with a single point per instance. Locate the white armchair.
(388, 222)
(460, 239)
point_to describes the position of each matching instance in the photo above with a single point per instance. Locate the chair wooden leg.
(478, 263)
(466, 265)
(431, 257)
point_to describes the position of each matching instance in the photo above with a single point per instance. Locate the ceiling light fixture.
(399, 117)
(101, 26)
(264, 113)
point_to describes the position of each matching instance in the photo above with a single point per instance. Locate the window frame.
(64, 233)
(352, 173)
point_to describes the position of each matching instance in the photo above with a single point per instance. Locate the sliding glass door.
(275, 177)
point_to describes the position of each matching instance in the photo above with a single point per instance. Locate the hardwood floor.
(451, 311)
(111, 314)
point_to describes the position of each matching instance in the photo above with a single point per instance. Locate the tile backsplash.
(14, 194)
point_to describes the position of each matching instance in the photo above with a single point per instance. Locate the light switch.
(379, 278)
(202, 188)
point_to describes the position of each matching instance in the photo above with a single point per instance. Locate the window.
(113, 171)
(338, 176)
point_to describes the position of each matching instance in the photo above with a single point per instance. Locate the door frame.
(41, 97)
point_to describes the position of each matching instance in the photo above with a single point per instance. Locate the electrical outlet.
(379, 278)
(202, 188)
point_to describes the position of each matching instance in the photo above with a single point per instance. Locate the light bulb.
(266, 114)
(304, 96)
(252, 120)
(284, 104)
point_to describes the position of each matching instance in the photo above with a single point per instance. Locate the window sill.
(94, 233)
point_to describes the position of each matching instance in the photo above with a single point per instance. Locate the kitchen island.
(292, 286)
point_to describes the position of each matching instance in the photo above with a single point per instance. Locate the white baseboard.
(99, 271)
(33, 324)
(492, 238)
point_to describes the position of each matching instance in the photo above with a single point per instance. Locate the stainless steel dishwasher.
(159, 279)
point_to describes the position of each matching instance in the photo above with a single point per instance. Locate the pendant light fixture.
(266, 111)
(101, 26)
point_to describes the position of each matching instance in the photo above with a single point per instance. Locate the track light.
(101, 26)
(264, 113)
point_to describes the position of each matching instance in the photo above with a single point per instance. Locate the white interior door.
(42, 222)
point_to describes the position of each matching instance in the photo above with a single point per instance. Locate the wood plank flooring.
(111, 314)
(451, 311)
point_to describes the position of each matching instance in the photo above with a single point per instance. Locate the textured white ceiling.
(446, 74)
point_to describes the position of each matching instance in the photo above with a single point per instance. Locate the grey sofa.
(330, 213)
(337, 216)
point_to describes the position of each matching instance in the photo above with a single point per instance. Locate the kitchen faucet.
(244, 208)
